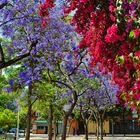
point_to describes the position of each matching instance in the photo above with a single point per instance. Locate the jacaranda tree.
(39, 47)
(96, 101)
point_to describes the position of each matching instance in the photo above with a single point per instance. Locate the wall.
(92, 126)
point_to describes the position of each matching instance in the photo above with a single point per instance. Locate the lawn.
(2, 137)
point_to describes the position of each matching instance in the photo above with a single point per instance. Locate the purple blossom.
(3, 1)
(74, 47)
(11, 82)
(23, 28)
(7, 89)
(58, 54)
(68, 56)
(10, 50)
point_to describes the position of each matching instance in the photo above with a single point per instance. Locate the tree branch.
(1, 54)
(13, 61)
(13, 19)
(74, 69)
(4, 64)
(3, 5)
(90, 116)
(80, 94)
(34, 100)
(59, 82)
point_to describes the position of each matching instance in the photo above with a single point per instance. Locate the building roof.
(41, 121)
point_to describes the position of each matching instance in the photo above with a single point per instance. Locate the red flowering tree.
(110, 31)
(44, 10)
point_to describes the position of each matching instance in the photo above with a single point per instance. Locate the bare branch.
(59, 82)
(1, 54)
(83, 92)
(77, 65)
(13, 61)
(4, 64)
(90, 116)
(3, 5)
(13, 19)
(34, 100)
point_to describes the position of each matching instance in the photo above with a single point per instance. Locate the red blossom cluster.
(112, 37)
(43, 10)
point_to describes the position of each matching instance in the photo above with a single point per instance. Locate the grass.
(6, 137)
(2, 137)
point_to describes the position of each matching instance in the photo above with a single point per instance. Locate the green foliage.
(2, 137)
(6, 101)
(76, 113)
(117, 110)
(3, 100)
(120, 59)
(4, 41)
(131, 35)
(22, 117)
(67, 18)
(3, 82)
(7, 118)
(45, 92)
(87, 82)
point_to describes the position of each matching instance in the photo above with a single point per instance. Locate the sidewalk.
(105, 138)
(82, 137)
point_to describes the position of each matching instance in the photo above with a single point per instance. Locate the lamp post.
(112, 122)
(57, 128)
(17, 132)
(133, 125)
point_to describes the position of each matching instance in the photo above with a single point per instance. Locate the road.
(81, 137)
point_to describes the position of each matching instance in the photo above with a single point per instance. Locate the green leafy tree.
(48, 104)
(7, 118)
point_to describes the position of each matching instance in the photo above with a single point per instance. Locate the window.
(40, 127)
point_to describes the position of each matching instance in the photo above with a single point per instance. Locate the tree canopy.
(110, 32)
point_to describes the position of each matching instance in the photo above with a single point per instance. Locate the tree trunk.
(67, 115)
(50, 118)
(86, 131)
(64, 127)
(101, 129)
(28, 122)
(97, 130)
(24, 132)
(54, 135)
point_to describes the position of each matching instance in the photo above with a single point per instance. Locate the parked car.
(13, 130)
(1, 131)
(21, 131)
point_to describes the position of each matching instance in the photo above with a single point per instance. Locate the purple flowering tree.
(23, 37)
(40, 47)
(51, 49)
(96, 101)
(12, 14)
(69, 76)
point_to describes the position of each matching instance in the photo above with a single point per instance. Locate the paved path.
(105, 138)
(81, 137)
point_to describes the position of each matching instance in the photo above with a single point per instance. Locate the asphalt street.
(82, 137)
